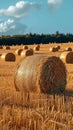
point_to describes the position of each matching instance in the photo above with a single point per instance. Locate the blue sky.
(36, 16)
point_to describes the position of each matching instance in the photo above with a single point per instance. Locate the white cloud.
(11, 27)
(54, 4)
(21, 9)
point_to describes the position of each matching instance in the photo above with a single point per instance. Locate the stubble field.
(23, 111)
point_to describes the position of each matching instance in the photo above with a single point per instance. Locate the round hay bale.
(1, 47)
(67, 57)
(53, 49)
(8, 57)
(58, 47)
(40, 74)
(37, 48)
(18, 51)
(25, 47)
(68, 49)
(7, 47)
(28, 52)
(38, 45)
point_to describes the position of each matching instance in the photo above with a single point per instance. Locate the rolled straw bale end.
(7, 48)
(18, 51)
(25, 47)
(41, 74)
(68, 49)
(8, 57)
(51, 75)
(28, 52)
(53, 49)
(67, 57)
(36, 48)
(58, 46)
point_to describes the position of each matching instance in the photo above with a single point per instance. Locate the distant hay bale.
(1, 47)
(40, 74)
(28, 52)
(37, 48)
(18, 51)
(53, 49)
(8, 57)
(38, 45)
(58, 46)
(25, 47)
(68, 49)
(67, 57)
(7, 47)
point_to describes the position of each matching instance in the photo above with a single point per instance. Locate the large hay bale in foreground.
(40, 74)
(8, 57)
(18, 51)
(67, 57)
(28, 52)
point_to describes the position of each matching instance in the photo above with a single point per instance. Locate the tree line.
(36, 38)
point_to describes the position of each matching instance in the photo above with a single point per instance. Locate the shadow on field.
(69, 93)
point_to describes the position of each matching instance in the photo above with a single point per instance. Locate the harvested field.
(34, 111)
